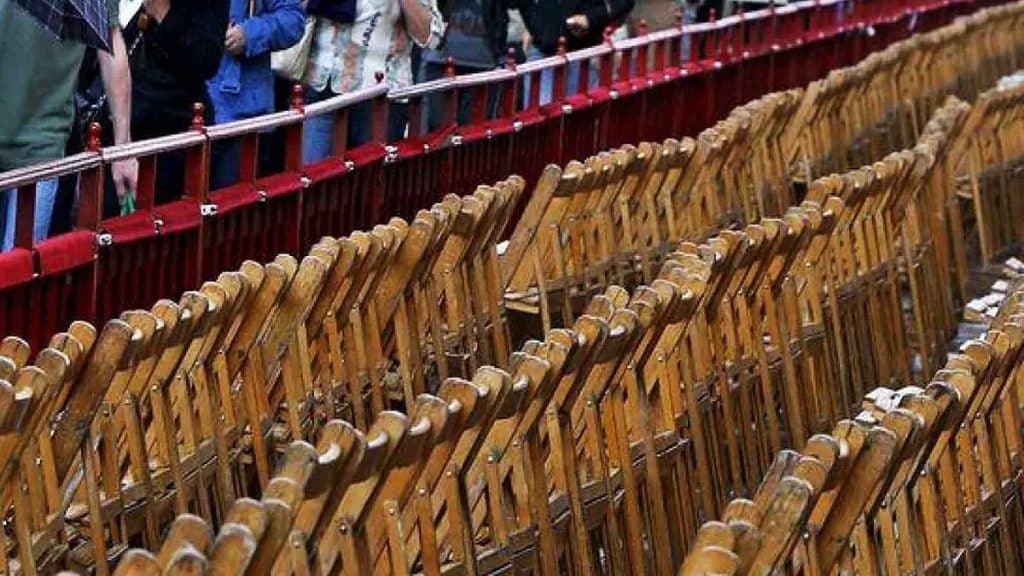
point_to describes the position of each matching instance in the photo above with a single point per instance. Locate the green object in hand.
(127, 203)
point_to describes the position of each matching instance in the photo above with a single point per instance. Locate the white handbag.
(290, 63)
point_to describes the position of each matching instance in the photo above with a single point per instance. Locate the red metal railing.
(644, 91)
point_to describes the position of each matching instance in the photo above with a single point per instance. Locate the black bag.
(90, 102)
(340, 11)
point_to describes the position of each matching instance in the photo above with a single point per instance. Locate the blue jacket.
(244, 84)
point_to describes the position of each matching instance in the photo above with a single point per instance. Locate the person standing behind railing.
(346, 56)
(688, 10)
(39, 76)
(179, 47)
(475, 41)
(244, 84)
(580, 22)
(709, 8)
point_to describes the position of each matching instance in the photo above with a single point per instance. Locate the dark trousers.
(225, 156)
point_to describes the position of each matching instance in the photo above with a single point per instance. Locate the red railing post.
(510, 89)
(641, 64)
(24, 223)
(197, 165)
(293, 133)
(558, 88)
(606, 74)
(90, 186)
(739, 35)
(380, 115)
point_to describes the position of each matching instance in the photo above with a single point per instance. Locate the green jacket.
(39, 75)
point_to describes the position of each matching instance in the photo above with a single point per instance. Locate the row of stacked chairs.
(603, 220)
(363, 410)
(992, 181)
(182, 407)
(914, 479)
(857, 114)
(602, 446)
(614, 216)
(923, 480)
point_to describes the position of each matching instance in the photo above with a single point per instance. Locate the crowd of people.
(239, 58)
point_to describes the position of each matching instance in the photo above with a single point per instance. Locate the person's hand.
(157, 9)
(125, 174)
(578, 24)
(234, 40)
(527, 40)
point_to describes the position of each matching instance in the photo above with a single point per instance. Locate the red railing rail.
(626, 91)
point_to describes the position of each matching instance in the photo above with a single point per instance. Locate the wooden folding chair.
(526, 266)
(920, 479)
(461, 298)
(35, 394)
(440, 512)
(989, 156)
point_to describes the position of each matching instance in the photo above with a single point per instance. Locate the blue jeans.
(689, 17)
(318, 131)
(435, 104)
(46, 191)
(547, 79)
